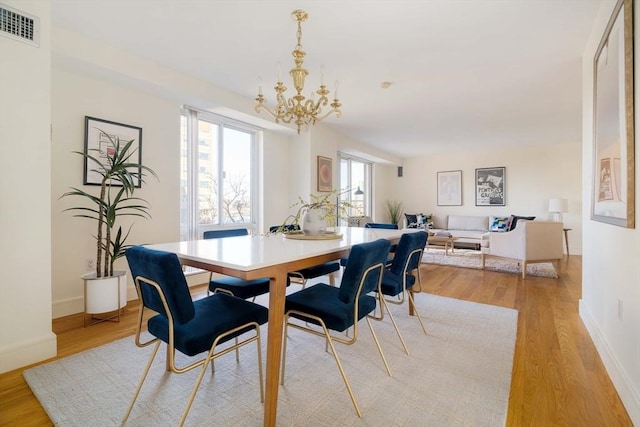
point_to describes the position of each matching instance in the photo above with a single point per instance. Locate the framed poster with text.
(490, 188)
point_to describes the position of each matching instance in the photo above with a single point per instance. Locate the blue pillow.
(499, 223)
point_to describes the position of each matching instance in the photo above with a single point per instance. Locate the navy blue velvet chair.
(302, 276)
(343, 261)
(381, 225)
(190, 327)
(235, 286)
(399, 281)
(340, 308)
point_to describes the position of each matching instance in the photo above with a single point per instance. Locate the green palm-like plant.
(117, 172)
(394, 210)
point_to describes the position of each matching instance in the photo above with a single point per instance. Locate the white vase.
(313, 222)
(101, 293)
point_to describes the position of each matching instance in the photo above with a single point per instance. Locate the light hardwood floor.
(558, 378)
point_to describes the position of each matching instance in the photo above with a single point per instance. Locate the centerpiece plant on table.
(315, 214)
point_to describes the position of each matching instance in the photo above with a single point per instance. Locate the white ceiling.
(463, 73)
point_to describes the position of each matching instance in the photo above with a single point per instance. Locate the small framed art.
(99, 136)
(325, 174)
(450, 188)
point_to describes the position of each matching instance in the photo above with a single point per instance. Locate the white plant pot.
(313, 222)
(101, 293)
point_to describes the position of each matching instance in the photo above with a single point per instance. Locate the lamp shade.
(558, 205)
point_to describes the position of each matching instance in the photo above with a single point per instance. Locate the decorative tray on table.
(327, 235)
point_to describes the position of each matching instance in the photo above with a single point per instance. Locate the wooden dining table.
(272, 256)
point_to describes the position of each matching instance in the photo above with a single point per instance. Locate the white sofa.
(530, 242)
(467, 228)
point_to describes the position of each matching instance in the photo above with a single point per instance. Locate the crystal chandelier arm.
(328, 113)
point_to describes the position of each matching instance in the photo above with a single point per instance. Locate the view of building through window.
(355, 177)
(216, 174)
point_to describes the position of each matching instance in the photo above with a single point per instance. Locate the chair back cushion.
(163, 268)
(381, 225)
(362, 257)
(230, 232)
(409, 242)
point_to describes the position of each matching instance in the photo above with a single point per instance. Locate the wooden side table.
(566, 238)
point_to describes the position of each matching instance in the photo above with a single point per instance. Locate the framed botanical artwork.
(450, 188)
(325, 174)
(613, 190)
(99, 137)
(490, 186)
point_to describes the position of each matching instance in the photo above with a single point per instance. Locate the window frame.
(194, 228)
(350, 188)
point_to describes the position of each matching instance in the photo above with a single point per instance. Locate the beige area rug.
(469, 258)
(458, 375)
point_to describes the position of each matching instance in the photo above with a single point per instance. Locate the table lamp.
(557, 207)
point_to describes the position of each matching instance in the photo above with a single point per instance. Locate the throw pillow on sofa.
(419, 220)
(513, 221)
(498, 223)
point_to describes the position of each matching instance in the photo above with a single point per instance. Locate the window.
(217, 173)
(355, 175)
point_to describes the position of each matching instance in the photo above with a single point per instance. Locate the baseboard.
(619, 378)
(27, 353)
(75, 305)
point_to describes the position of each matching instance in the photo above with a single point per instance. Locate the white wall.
(73, 97)
(610, 268)
(105, 83)
(385, 183)
(533, 176)
(25, 240)
(76, 95)
(276, 167)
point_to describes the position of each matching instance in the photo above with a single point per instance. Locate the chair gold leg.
(144, 376)
(260, 375)
(384, 306)
(375, 338)
(341, 369)
(195, 387)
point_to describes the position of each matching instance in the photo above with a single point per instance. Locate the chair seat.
(240, 288)
(322, 301)
(392, 283)
(196, 335)
(319, 270)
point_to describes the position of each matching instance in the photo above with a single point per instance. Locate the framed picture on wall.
(490, 186)
(99, 138)
(325, 174)
(613, 188)
(450, 188)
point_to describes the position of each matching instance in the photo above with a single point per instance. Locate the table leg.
(412, 309)
(277, 293)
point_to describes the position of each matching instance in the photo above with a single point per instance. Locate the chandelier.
(298, 109)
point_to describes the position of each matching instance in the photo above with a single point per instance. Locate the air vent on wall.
(19, 25)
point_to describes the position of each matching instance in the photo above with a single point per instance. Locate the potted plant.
(314, 215)
(105, 289)
(394, 211)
